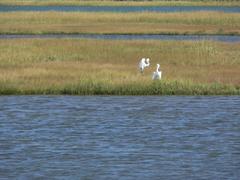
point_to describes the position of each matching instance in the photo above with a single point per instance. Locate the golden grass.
(122, 3)
(127, 23)
(65, 66)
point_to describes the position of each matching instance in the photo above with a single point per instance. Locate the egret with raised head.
(157, 74)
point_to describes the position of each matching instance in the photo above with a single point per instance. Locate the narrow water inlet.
(223, 38)
(226, 9)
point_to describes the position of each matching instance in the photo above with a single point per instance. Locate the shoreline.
(162, 88)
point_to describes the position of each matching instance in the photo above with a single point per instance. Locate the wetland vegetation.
(88, 67)
(119, 23)
(109, 67)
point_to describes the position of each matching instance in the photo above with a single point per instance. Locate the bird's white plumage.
(143, 64)
(157, 74)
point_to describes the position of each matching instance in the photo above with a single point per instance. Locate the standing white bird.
(148, 63)
(143, 63)
(157, 74)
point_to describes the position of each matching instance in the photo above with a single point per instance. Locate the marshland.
(119, 23)
(123, 124)
(88, 67)
(109, 67)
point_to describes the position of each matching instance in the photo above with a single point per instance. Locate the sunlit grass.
(124, 23)
(68, 66)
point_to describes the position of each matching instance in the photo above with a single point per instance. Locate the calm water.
(121, 8)
(224, 38)
(97, 137)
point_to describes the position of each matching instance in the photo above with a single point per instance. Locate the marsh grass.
(120, 23)
(122, 3)
(90, 67)
(96, 88)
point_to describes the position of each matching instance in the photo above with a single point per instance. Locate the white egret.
(148, 63)
(157, 74)
(143, 63)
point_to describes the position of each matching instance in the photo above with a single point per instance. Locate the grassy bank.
(64, 66)
(121, 3)
(123, 23)
(96, 88)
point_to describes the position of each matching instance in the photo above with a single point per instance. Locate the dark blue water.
(121, 8)
(223, 38)
(143, 137)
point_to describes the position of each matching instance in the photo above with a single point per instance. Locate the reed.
(90, 67)
(123, 23)
(122, 3)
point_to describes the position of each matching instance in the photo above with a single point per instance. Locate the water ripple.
(109, 137)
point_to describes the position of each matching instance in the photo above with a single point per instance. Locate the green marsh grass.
(100, 67)
(123, 23)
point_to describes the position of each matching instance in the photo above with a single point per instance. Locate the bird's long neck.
(157, 69)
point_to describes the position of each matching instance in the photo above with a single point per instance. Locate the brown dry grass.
(132, 23)
(46, 63)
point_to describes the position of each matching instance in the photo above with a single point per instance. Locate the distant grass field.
(123, 23)
(123, 3)
(70, 66)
